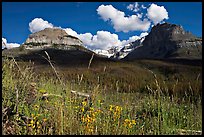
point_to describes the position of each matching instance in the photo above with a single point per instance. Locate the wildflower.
(83, 119)
(111, 107)
(99, 111)
(127, 120)
(84, 103)
(133, 122)
(32, 122)
(91, 109)
(130, 125)
(117, 108)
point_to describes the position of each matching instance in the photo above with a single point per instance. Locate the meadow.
(143, 97)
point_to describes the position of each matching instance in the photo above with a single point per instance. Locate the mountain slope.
(168, 41)
(62, 48)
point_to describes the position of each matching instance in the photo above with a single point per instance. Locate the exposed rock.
(168, 41)
(52, 37)
(128, 48)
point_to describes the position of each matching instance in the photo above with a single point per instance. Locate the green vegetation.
(134, 98)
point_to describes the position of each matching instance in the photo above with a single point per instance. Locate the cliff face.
(52, 37)
(168, 41)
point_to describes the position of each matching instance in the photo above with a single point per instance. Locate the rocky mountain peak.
(51, 37)
(167, 32)
(168, 40)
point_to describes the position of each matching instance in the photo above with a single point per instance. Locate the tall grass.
(152, 112)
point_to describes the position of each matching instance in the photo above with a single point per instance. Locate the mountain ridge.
(168, 41)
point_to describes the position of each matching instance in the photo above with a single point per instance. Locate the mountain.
(52, 38)
(62, 48)
(128, 48)
(109, 53)
(167, 41)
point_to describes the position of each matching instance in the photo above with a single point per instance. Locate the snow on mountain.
(128, 48)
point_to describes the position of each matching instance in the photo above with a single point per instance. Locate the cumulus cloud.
(86, 38)
(139, 15)
(133, 7)
(133, 38)
(143, 7)
(157, 13)
(39, 24)
(8, 45)
(121, 22)
(101, 40)
(104, 40)
(71, 32)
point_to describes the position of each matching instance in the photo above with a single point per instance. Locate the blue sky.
(87, 17)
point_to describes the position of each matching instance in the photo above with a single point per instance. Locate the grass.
(126, 98)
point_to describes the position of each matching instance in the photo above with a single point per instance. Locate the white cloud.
(134, 7)
(39, 24)
(157, 13)
(143, 7)
(139, 15)
(71, 32)
(130, 6)
(120, 22)
(101, 40)
(105, 40)
(132, 39)
(9, 45)
(86, 38)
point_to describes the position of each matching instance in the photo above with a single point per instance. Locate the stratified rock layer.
(168, 41)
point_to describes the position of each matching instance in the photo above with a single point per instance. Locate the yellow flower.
(82, 109)
(32, 115)
(133, 122)
(84, 103)
(111, 107)
(32, 122)
(127, 120)
(91, 109)
(130, 125)
(83, 119)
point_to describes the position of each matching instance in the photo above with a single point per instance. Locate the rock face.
(52, 37)
(168, 41)
(128, 48)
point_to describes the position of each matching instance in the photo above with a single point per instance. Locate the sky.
(100, 25)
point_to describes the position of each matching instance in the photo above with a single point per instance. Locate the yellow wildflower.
(91, 109)
(32, 122)
(133, 122)
(84, 103)
(111, 107)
